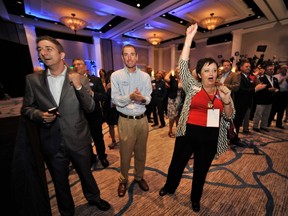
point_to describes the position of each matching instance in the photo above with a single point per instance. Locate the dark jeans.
(204, 148)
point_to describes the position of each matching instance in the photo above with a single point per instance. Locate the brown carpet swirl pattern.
(243, 181)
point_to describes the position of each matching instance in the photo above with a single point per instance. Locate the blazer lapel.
(66, 86)
(44, 83)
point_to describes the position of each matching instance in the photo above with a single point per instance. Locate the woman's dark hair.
(104, 71)
(108, 77)
(202, 62)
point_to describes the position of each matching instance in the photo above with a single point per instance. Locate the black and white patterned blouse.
(191, 87)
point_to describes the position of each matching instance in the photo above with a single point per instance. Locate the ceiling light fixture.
(211, 22)
(154, 40)
(73, 23)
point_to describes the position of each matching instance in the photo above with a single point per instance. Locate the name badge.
(213, 117)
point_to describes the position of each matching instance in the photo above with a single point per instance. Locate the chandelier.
(154, 40)
(73, 23)
(211, 22)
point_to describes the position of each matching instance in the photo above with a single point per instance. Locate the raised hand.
(75, 79)
(192, 30)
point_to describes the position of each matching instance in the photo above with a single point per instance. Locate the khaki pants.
(133, 134)
(261, 115)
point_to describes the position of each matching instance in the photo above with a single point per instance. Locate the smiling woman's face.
(209, 75)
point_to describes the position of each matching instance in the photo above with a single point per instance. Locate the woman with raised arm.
(203, 123)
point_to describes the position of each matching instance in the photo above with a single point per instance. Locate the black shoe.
(104, 162)
(163, 192)
(196, 206)
(257, 130)
(264, 129)
(154, 125)
(112, 145)
(150, 121)
(246, 132)
(161, 126)
(241, 144)
(101, 204)
(280, 126)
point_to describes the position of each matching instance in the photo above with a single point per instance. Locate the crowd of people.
(200, 101)
(260, 94)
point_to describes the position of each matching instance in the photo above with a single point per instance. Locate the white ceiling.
(100, 12)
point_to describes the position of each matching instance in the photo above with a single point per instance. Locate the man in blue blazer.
(64, 131)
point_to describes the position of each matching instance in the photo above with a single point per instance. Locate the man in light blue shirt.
(131, 91)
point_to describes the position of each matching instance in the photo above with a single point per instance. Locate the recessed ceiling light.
(138, 5)
(148, 26)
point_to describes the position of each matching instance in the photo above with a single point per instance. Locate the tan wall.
(275, 38)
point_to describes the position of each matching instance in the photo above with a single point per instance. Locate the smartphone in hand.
(53, 110)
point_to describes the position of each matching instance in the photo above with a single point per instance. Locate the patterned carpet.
(243, 181)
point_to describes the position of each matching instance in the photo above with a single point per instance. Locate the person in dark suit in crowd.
(157, 102)
(95, 119)
(64, 132)
(264, 99)
(243, 98)
(207, 110)
(281, 98)
(131, 92)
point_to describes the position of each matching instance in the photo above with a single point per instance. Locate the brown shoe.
(122, 189)
(143, 185)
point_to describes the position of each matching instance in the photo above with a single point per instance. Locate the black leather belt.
(132, 117)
